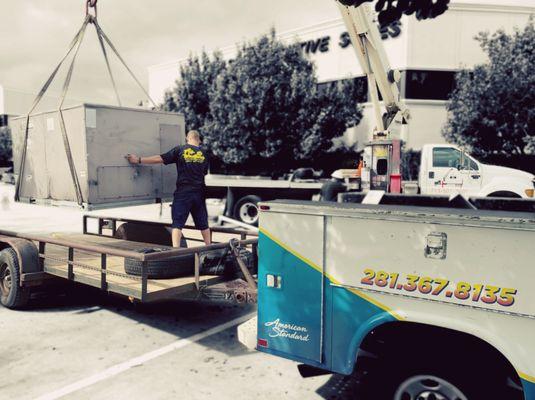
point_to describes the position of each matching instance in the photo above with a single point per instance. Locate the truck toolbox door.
(290, 286)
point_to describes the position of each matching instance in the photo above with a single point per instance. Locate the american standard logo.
(289, 331)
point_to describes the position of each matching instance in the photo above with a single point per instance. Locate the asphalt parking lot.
(75, 342)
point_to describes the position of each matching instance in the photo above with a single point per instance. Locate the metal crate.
(99, 138)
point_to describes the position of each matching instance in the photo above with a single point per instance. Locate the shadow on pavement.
(179, 318)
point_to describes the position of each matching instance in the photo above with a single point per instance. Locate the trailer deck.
(97, 259)
(87, 269)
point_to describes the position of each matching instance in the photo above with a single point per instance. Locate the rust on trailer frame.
(111, 223)
(75, 245)
(181, 251)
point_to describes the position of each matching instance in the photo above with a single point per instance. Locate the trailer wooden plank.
(90, 273)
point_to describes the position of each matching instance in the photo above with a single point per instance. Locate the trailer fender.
(27, 253)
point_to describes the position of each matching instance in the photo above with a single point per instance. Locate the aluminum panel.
(99, 137)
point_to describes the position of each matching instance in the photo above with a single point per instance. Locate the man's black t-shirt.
(191, 166)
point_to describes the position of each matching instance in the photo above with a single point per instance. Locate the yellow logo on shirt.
(191, 155)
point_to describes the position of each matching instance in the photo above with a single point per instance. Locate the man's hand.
(132, 158)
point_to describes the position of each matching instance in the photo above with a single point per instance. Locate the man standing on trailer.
(189, 197)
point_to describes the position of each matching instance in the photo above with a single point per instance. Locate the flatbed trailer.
(96, 258)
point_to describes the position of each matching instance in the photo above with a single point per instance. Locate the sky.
(34, 34)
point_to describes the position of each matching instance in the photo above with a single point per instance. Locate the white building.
(426, 52)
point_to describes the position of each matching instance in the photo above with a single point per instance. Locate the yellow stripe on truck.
(331, 278)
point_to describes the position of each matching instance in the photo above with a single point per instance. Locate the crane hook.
(91, 4)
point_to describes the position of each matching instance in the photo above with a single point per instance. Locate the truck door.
(290, 285)
(443, 175)
(470, 175)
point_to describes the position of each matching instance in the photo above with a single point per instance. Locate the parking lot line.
(119, 368)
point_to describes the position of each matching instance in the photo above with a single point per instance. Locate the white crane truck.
(431, 300)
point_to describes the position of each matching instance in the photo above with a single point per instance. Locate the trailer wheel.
(246, 210)
(174, 267)
(12, 295)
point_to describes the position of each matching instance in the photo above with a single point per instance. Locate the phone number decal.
(487, 294)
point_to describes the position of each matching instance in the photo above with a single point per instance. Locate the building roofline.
(331, 23)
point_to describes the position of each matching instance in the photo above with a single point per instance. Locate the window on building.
(3, 120)
(360, 87)
(427, 85)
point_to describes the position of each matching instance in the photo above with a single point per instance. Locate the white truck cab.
(447, 169)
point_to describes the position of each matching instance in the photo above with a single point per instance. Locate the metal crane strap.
(74, 45)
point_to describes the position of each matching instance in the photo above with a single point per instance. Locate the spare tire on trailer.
(168, 268)
(223, 263)
(12, 295)
(146, 233)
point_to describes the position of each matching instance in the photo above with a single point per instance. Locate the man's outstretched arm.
(133, 159)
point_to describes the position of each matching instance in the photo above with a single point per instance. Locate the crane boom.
(369, 49)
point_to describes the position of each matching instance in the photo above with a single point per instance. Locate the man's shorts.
(186, 202)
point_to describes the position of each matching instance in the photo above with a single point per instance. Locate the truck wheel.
(174, 267)
(399, 379)
(246, 210)
(12, 295)
(428, 387)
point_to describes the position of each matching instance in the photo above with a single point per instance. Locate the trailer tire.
(169, 268)
(12, 295)
(223, 262)
(146, 233)
(246, 209)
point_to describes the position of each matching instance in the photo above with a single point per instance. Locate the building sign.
(322, 45)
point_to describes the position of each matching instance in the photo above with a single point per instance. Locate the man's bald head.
(193, 137)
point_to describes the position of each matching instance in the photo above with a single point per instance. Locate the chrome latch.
(436, 245)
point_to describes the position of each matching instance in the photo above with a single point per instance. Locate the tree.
(392, 10)
(5, 146)
(191, 96)
(266, 107)
(491, 110)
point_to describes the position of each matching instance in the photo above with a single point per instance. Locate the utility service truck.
(448, 170)
(422, 296)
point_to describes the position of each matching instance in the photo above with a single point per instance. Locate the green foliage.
(264, 107)
(491, 110)
(191, 96)
(5, 146)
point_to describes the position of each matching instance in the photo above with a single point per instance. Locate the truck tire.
(505, 194)
(400, 377)
(12, 295)
(170, 268)
(246, 210)
(331, 189)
